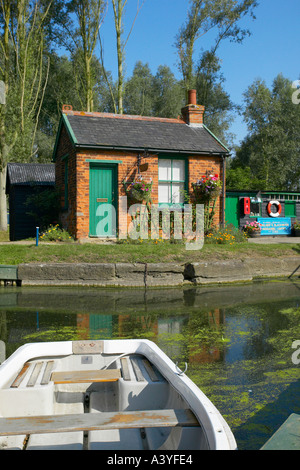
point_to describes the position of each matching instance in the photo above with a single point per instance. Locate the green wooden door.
(290, 209)
(102, 201)
(232, 211)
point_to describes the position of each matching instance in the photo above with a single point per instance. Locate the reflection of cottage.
(275, 210)
(24, 180)
(96, 152)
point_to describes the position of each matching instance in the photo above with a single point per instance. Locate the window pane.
(164, 193)
(177, 193)
(178, 170)
(164, 172)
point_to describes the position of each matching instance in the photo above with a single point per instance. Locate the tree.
(204, 16)
(240, 178)
(89, 15)
(139, 98)
(219, 109)
(168, 94)
(271, 149)
(119, 10)
(24, 70)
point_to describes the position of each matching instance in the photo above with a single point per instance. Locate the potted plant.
(207, 188)
(139, 190)
(252, 229)
(296, 227)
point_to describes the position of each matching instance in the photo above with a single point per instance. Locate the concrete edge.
(157, 274)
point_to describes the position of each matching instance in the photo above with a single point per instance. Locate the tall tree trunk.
(3, 147)
(118, 6)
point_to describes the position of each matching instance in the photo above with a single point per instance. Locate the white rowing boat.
(104, 395)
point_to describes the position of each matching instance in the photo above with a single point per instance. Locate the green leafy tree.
(271, 148)
(119, 14)
(222, 17)
(168, 93)
(89, 17)
(24, 68)
(219, 109)
(139, 97)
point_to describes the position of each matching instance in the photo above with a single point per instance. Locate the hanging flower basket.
(139, 190)
(207, 188)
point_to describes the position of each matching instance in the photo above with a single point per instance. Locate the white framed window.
(171, 180)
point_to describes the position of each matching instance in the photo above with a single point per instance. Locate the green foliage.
(139, 97)
(271, 149)
(241, 178)
(56, 234)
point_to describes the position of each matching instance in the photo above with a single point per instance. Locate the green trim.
(63, 120)
(107, 162)
(218, 140)
(170, 204)
(66, 181)
(69, 129)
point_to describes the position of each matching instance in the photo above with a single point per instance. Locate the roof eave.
(152, 150)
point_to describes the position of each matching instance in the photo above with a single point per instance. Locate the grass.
(146, 252)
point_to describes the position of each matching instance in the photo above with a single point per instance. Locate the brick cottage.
(97, 154)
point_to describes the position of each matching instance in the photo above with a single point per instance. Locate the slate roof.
(30, 173)
(138, 133)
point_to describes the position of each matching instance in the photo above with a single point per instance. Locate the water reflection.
(235, 339)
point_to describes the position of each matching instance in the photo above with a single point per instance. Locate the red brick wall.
(76, 218)
(198, 167)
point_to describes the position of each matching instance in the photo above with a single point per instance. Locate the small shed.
(24, 180)
(276, 211)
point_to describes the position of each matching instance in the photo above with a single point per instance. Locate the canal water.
(237, 341)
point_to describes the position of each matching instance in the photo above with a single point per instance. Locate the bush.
(56, 234)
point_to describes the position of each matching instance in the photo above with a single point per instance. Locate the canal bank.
(155, 274)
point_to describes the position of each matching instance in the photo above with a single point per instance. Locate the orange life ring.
(274, 214)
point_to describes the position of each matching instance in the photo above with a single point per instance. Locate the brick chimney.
(192, 113)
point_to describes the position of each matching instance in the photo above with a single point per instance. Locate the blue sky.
(272, 48)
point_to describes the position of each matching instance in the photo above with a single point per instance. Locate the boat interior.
(140, 409)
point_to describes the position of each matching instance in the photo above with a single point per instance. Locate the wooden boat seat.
(96, 421)
(81, 376)
(86, 376)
